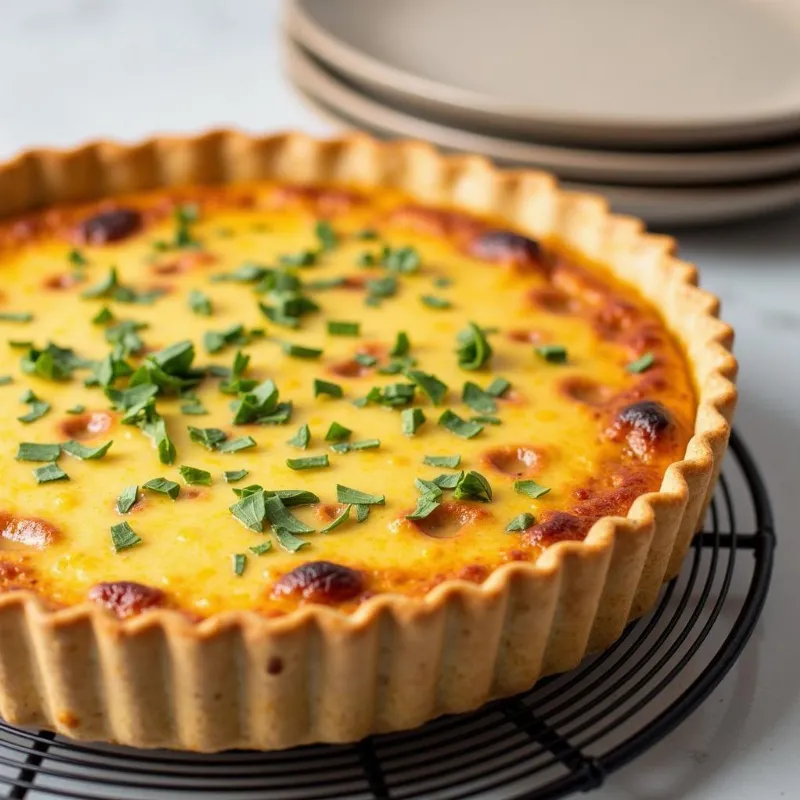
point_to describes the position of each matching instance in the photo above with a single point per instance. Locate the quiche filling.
(261, 396)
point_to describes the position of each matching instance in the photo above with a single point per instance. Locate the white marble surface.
(72, 70)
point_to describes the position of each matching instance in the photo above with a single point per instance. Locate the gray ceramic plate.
(611, 72)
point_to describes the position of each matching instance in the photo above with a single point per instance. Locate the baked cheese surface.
(319, 345)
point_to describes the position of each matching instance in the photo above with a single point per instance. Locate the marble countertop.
(73, 70)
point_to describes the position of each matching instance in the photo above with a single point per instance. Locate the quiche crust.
(240, 680)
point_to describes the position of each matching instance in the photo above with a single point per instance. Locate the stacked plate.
(679, 111)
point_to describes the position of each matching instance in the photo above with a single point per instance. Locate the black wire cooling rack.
(564, 736)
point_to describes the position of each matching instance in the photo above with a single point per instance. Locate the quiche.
(306, 440)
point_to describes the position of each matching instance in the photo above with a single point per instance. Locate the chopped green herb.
(473, 348)
(554, 353)
(185, 216)
(448, 481)
(337, 433)
(210, 438)
(401, 346)
(20, 343)
(364, 444)
(310, 462)
(642, 364)
(235, 445)
(362, 512)
(21, 316)
(410, 420)
(215, 341)
(280, 517)
(451, 462)
(194, 476)
(426, 505)
(530, 488)
(342, 518)
(299, 351)
(234, 475)
(193, 407)
(520, 523)
(485, 419)
(301, 438)
(200, 303)
(344, 328)
(498, 387)
(127, 499)
(430, 385)
(254, 405)
(53, 362)
(380, 288)
(435, 302)
(78, 409)
(103, 316)
(77, 450)
(401, 259)
(76, 258)
(477, 399)
(325, 283)
(31, 451)
(326, 235)
(294, 497)
(442, 283)
(460, 427)
(5, 380)
(347, 495)
(251, 510)
(366, 234)
(123, 537)
(239, 563)
(111, 288)
(289, 542)
(305, 258)
(366, 259)
(163, 486)
(260, 549)
(49, 473)
(246, 273)
(365, 359)
(38, 408)
(328, 388)
(473, 486)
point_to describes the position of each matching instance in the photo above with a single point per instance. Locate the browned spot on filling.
(67, 719)
(328, 512)
(558, 526)
(476, 573)
(448, 519)
(642, 426)
(353, 368)
(61, 282)
(274, 665)
(125, 598)
(193, 492)
(553, 301)
(324, 200)
(527, 336)
(615, 317)
(29, 531)
(507, 247)
(112, 225)
(186, 263)
(437, 222)
(355, 282)
(513, 460)
(320, 582)
(513, 397)
(586, 391)
(579, 283)
(86, 426)
(615, 498)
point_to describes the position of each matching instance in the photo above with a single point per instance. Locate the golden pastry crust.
(238, 679)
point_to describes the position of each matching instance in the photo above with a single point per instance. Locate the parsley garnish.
(460, 427)
(477, 399)
(347, 495)
(234, 475)
(50, 472)
(393, 395)
(210, 438)
(111, 288)
(193, 407)
(235, 445)
(328, 240)
(342, 518)
(53, 362)
(430, 385)
(473, 486)
(343, 328)
(194, 476)
(410, 420)
(473, 349)
(498, 387)
(364, 444)
(362, 512)
(76, 258)
(554, 353)
(337, 433)
(253, 406)
(103, 316)
(215, 341)
(310, 462)
(328, 388)
(78, 409)
(185, 216)
(435, 302)
(77, 450)
(200, 303)
(260, 549)
(305, 258)
(380, 288)
(642, 364)
(123, 537)
(484, 419)
(299, 351)
(301, 438)
(366, 259)
(239, 563)
(520, 523)
(280, 517)
(31, 451)
(127, 499)
(401, 346)
(163, 486)
(126, 337)
(401, 259)
(442, 461)
(38, 408)
(427, 503)
(6, 379)
(289, 542)
(251, 510)
(21, 316)
(366, 234)
(530, 488)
